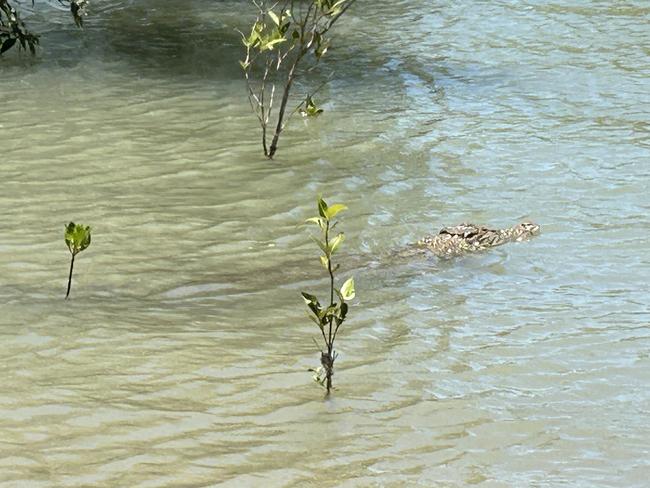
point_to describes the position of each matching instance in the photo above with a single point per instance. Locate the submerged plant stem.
(330, 343)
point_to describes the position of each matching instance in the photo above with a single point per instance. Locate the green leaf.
(250, 41)
(317, 220)
(331, 311)
(344, 311)
(334, 210)
(77, 237)
(274, 17)
(284, 28)
(310, 110)
(313, 303)
(325, 262)
(336, 242)
(322, 208)
(336, 8)
(269, 43)
(254, 38)
(308, 298)
(347, 290)
(8, 44)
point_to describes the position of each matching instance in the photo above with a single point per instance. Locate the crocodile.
(468, 238)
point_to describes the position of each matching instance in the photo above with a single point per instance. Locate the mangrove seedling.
(329, 318)
(77, 238)
(287, 40)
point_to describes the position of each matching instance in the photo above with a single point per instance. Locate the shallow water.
(182, 357)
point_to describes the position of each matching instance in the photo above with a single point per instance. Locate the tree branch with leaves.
(14, 31)
(287, 38)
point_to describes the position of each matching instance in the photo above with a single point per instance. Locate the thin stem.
(336, 330)
(283, 104)
(330, 342)
(322, 331)
(70, 277)
(266, 150)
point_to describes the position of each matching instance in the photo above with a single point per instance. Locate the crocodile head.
(524, 231)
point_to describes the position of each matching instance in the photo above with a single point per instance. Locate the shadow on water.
(155, 39)
(199, 39)
(162, 42)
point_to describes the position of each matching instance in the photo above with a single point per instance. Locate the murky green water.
(182, 358)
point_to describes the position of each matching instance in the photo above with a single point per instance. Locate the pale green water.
(181, 359)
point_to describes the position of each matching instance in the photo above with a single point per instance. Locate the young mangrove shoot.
(77, 238)
(330, 317)
(287, 39)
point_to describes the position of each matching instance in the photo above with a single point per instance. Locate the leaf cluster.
(301, 24)
(266, 35)
(336, 312)
(13, 31)
(310, 108)
(77, 237)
